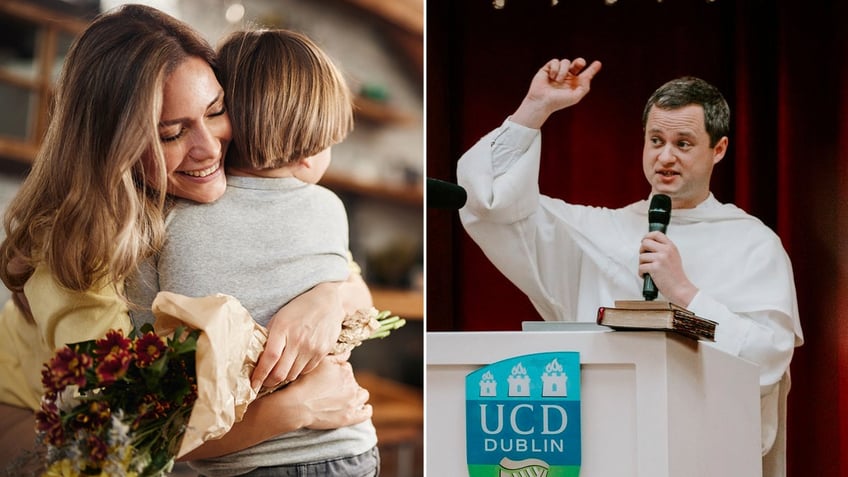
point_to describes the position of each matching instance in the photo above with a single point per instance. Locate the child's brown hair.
(286, 99)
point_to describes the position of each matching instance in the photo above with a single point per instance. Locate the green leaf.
(154, 373)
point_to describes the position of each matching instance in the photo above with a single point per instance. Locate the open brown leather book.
(656, 315)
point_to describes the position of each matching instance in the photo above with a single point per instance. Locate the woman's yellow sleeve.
(64, 316)
(61, 317)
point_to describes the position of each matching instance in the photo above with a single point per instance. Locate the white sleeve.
(765, 338)
(501, 174)
(509, 219)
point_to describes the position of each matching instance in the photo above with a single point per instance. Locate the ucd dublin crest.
(523, 417)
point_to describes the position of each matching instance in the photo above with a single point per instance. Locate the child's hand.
(300, 335)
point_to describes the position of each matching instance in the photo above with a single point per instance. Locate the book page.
(649, 305)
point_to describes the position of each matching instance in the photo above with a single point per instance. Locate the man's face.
(677, 158)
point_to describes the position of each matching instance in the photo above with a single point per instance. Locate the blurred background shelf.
(399, 420)
(407, 304)
(406, 194)
(34, 39)
(380, 112)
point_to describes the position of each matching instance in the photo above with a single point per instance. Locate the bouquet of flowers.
(118, 405)
(131, 406)
(364, 324)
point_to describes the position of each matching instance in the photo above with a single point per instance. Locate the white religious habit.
(570, 259)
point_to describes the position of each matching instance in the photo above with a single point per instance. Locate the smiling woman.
(195, 132)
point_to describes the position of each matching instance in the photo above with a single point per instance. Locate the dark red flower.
(153, 407)
(98, 450)
(99, 412)
(148, 349)
(47, 421)
(113, 367)
(65, 368)
(191, 396)
(113, 343)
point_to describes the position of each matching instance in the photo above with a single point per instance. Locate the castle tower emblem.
(554, 380)
(519, 382)
(488, 385)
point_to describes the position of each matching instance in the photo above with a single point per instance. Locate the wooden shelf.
(405, 19)
(52, 28)
(380, 112)
(405, 14)
(399, 420)
(17, 150)
(405, 194)
(398, 407)
(407, 304)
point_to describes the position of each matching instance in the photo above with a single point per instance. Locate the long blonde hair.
(286, 98)
(85, 209)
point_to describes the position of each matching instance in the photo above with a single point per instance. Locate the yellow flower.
(62, 468)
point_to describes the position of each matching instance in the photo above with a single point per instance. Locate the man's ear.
(720, 149)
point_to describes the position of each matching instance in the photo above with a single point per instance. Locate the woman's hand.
(327, 398)
(301, 334)
(330, 396)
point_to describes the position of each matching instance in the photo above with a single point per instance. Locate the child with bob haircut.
(288, 104)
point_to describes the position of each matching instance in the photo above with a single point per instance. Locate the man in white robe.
(716, 260)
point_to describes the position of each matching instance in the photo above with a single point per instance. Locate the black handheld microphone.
(659, 214)
(444, 195)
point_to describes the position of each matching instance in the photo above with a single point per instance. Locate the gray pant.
(366, 464)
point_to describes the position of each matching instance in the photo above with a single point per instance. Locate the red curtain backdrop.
(782, 66)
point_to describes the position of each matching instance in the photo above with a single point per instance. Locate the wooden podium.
(653, 404)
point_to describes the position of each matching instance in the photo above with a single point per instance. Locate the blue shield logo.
(523, 417)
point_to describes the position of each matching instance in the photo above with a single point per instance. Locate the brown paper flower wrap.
(227, 352)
